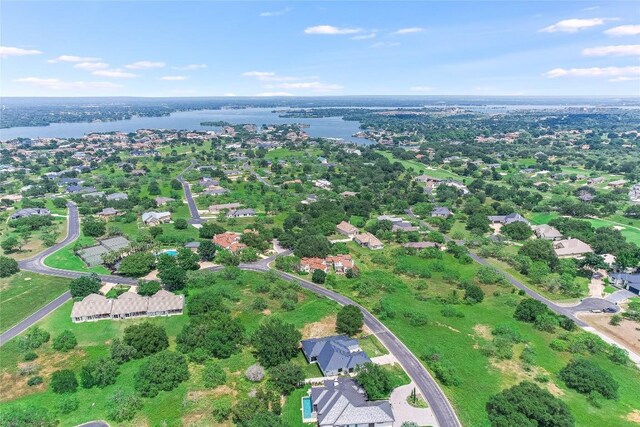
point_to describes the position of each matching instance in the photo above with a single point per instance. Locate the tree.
(64, 381)
(540, 250)
(93, 227)
(163, 371)
(33, 339)
(473, 294)
(100, 373)
(207, 250)
(517, 231)
(180, 224)
(209, 229)
(172, 276)
(137, 264)
(213, 375)
(27, 416)
(265, 419)
(375, 380)
(478, 223)
(8, 266)
(85, 285)
(146, 338)
(286, 377)
(217, 333)
(528, 310)
(187, 260)
(148, 288)
(312, 246)
(121, 352)
(10, 244)
(154, 188)
(349, 320)
(585, 377)
(318, 276)
(527, 405)
(275, 342)
(123, 406)
(64, 342)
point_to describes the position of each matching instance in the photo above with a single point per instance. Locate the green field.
(417, 167)
(25, 292)
(66, 259)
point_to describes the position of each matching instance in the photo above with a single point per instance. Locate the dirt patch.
(448, 327)
(514, 373)
(625, 333)
(633, 416)
(482, 331)
(301, 297)
(266, 312)
(322, 328)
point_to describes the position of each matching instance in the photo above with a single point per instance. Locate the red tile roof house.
(309, 265)
(229, 241)
(341, 263)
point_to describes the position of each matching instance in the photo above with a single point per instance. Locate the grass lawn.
(292, 409)
(417, 167)
(25, 292)
(188, 404)
(34, 245)
(372, 346)
(631, 233)
(539, 218)
(66, 259)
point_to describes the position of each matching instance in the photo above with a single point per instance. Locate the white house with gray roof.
(342, 402)
(334, 355)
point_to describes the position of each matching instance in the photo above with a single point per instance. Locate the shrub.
(180, 224)
(64, 381)
(33, 381)
(123, 406)
(221, 409)
(546, 322)
(26, 416)
(529, 309)
(162, 371)
(254, 373)
(473, 294)
(67, 404)
(34, 338)
(213, 375)
(121, 352)
(64, 342)
(349, 320)
(375, 380)
(318, 276)
(146, 338)
(30, 356)
(286, 377)
(8, 266)
(585, 376)
(449, 311)
(99, 373)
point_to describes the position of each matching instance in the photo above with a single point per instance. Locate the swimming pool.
(171, 252)
(307, 408)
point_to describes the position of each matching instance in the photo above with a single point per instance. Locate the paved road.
(248, 168)
(193, 208)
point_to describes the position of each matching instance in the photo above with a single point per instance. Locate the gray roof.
(441, 210)
(115, 243)
(117, 196)
(335, 353)
(241, 212)
(92, 305)
(30, 212)
(342, 402)
(192, 245)
(632, 280)
(508, 219)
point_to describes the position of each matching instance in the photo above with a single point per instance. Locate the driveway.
(619, 296)
(404, 412)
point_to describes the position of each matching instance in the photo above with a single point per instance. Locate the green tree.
(528, 310)
(64, 381)
(312, 246)
(180, 224)
(11, 244)
(275, 342)
(176, 185)
(122, 406)
(64, 342)
(27, 416)
(93, 227)
(318, 276)
(349, 320)
(517, 231)
(540, 250)
(527, 405)
(85, 285)
(207, 250)
(121, 352)
(154, 188)
(473, 294)
(286, 377)
(8, 266)
(209, 229)
(218, 334)
(146, 338)
(375, 380)
(187, 260)
(585, 377)
(478, 223)
(163, 371)
(33, 339)
(100, 373)
(148, 288)
(137, 264)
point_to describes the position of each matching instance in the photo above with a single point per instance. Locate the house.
(93, 194)
(421, 245)
(117, 196)
(107, 213)
(441, 212)
(368, 240)
(138, 172)
(216, 209)
(334, 355)
(341, 263)
(428, 180)
(617, 184)
(347, 229)
(571, 248)
(241, 213)
(348, 194)
(161, 201)
(322, 183)
(507, 219)
(634, 193)
(92, 307)
(155, 218)
(229, 241)
(129, 305)
(586, 196)
(27, 212)
(342, 402)
(630, 282)
(165, 303)
(193, 246)
(593, 181)
(311, 264)
(547, 232)
(233, 174)
(404, 226)
(72, 189)
(215, 191)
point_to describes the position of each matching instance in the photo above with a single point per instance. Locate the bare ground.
(322, 328)
(626, 333)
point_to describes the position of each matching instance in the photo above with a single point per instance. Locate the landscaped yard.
(25, 292)
(417, 167)
(66, 259)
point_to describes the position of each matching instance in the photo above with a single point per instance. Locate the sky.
(206, 48)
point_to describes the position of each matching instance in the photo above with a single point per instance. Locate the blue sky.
(144, 48)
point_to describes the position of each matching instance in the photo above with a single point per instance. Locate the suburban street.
(193, 208)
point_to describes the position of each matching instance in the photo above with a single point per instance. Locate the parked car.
(609, 310)
(596, 310)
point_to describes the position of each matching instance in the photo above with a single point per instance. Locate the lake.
(326, 127)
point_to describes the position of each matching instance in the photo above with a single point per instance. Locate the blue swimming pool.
(171, 252)
(307, 407)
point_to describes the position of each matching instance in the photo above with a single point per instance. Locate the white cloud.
(315, 86)
(91, 66)
(331, 30)
(72, 58)
(229, 94)
(268, 76)
(385, 44)
(421, 89)
(623, 30)
(276, 12)
(191, 67)
(6, 51)
(116, 74)
(624, 79)
(620, 50)
(174, 78)
(57, 84)
(410, 30)
(573, 25)
(593, 72)
(364, 36)
(143, 65)
(586, 9)
(275, 94)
